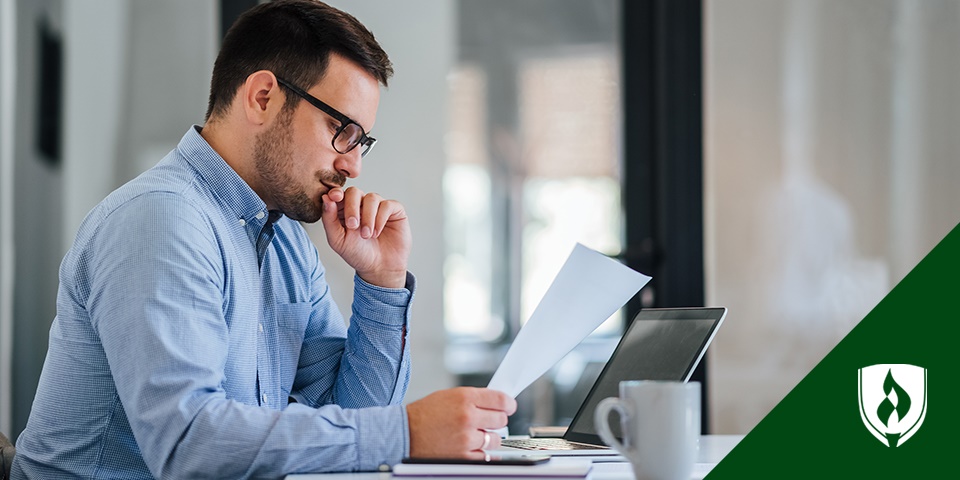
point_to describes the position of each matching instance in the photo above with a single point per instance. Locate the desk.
(712, 449)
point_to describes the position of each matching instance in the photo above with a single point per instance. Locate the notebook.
(660, 344)
(555, 467)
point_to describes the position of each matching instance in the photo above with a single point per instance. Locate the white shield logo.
(893, 401)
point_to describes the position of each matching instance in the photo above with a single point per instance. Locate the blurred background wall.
(830, 163)
(829, 159)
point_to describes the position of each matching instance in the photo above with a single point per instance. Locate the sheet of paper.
(589, 288)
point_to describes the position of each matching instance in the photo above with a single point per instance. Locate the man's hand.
(452, 423)
(371, 234)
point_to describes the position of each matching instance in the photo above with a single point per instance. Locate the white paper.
(589, 288)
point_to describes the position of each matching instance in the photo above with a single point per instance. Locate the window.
(533, 152)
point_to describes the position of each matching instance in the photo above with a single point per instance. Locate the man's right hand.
(453, 423)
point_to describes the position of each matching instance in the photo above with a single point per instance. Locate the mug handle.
(600, 419)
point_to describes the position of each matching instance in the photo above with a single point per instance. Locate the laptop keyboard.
(548, 444)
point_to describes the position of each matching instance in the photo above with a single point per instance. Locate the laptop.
(660, 344)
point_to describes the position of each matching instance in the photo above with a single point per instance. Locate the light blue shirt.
(177, 344)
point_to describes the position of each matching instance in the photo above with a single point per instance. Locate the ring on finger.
(486, 441)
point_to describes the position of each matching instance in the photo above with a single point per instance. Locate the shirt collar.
(223, 180)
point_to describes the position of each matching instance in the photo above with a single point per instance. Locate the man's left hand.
(370, 233)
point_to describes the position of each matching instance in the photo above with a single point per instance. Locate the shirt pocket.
(292, 319)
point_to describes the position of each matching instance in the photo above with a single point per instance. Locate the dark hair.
(293, 39)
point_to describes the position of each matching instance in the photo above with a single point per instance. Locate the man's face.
(295, 159)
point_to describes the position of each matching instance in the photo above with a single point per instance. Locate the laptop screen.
(660, 344)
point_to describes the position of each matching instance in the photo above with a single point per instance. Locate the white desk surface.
(712, 449)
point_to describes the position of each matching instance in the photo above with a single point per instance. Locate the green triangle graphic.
(816, 430)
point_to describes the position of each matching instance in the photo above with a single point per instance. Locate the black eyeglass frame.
(367, 141)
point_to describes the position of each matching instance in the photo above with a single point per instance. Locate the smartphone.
(517, 460)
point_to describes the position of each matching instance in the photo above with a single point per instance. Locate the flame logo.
(890, 413)
(887, 407)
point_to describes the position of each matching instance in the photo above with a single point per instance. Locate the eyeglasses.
(349, 134)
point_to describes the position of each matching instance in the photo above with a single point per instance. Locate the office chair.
(7, 451)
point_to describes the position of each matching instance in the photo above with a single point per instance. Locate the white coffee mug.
(660, 425)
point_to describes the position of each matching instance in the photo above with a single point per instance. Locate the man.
(195, 333)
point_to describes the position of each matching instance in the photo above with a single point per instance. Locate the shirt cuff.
(389, 306)
(383, 437)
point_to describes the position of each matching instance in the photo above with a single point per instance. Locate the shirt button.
(260, 215)
(261, 328)
(264, 398)
(242, 222)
